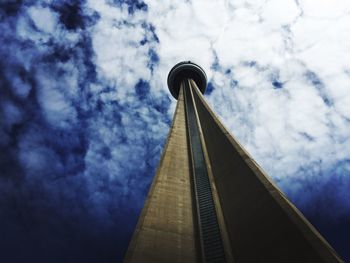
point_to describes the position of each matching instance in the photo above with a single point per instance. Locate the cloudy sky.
(85, 111)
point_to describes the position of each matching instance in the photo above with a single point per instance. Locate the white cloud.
(325, 9)
(43, 18)
(56, 104)
(119, 56)
(292, 125)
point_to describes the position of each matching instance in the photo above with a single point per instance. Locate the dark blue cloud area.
(75, 167)
(323, 197)
(133, 5)
(210, 88)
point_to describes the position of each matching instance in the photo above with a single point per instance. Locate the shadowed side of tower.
(262, 224)
(211, 202)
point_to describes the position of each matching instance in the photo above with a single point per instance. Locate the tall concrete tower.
(210, 201)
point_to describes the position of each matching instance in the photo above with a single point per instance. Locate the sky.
(85, 111)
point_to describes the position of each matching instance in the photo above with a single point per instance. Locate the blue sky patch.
(210, 88)
(277, 84)
(142, 89)
(319, 85)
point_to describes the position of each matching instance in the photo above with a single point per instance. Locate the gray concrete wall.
(165, 231)
(262, 225)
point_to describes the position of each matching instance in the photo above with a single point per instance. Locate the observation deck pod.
(186, 70)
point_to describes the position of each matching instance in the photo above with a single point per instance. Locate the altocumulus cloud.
(81, 131)
(84, 111)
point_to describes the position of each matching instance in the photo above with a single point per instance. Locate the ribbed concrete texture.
(165, 231)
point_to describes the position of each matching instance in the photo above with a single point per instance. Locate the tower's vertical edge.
(220, 218)
(165, 231)
(211, 243)
(262, 225)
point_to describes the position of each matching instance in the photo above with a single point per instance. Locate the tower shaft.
(211, 202)
(165, 231)
(262, 224)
